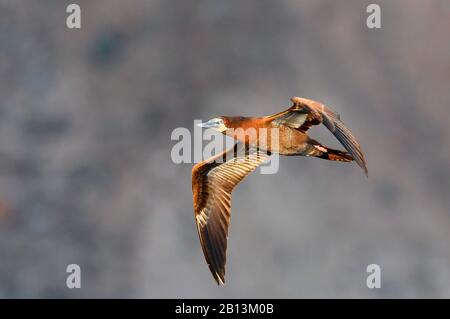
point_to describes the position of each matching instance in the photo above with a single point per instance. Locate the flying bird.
(214, 179)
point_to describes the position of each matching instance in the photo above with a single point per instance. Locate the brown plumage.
(214, 179)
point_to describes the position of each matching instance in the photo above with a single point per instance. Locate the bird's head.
(218, 123)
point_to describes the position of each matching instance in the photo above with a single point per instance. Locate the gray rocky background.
(85, 170)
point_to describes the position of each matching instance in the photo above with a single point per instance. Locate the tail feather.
(324, 152)
(335, 155)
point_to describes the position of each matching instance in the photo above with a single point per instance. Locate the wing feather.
(306, 113)
(346, 138)
(212, 185)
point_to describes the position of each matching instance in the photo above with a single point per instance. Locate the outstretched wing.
(306, 113)
(212, 184)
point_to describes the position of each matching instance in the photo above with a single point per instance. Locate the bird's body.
(284, 133)
(257, 131)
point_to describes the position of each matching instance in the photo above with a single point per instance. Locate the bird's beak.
(210, 124)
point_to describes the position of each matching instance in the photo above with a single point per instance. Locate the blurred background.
(86, 175)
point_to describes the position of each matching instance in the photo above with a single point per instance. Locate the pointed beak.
(210, 124)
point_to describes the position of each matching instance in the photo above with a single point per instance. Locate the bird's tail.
(330, 154)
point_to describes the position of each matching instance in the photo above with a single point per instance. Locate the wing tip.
(220, 278)
(366, 171)
(362, 163)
